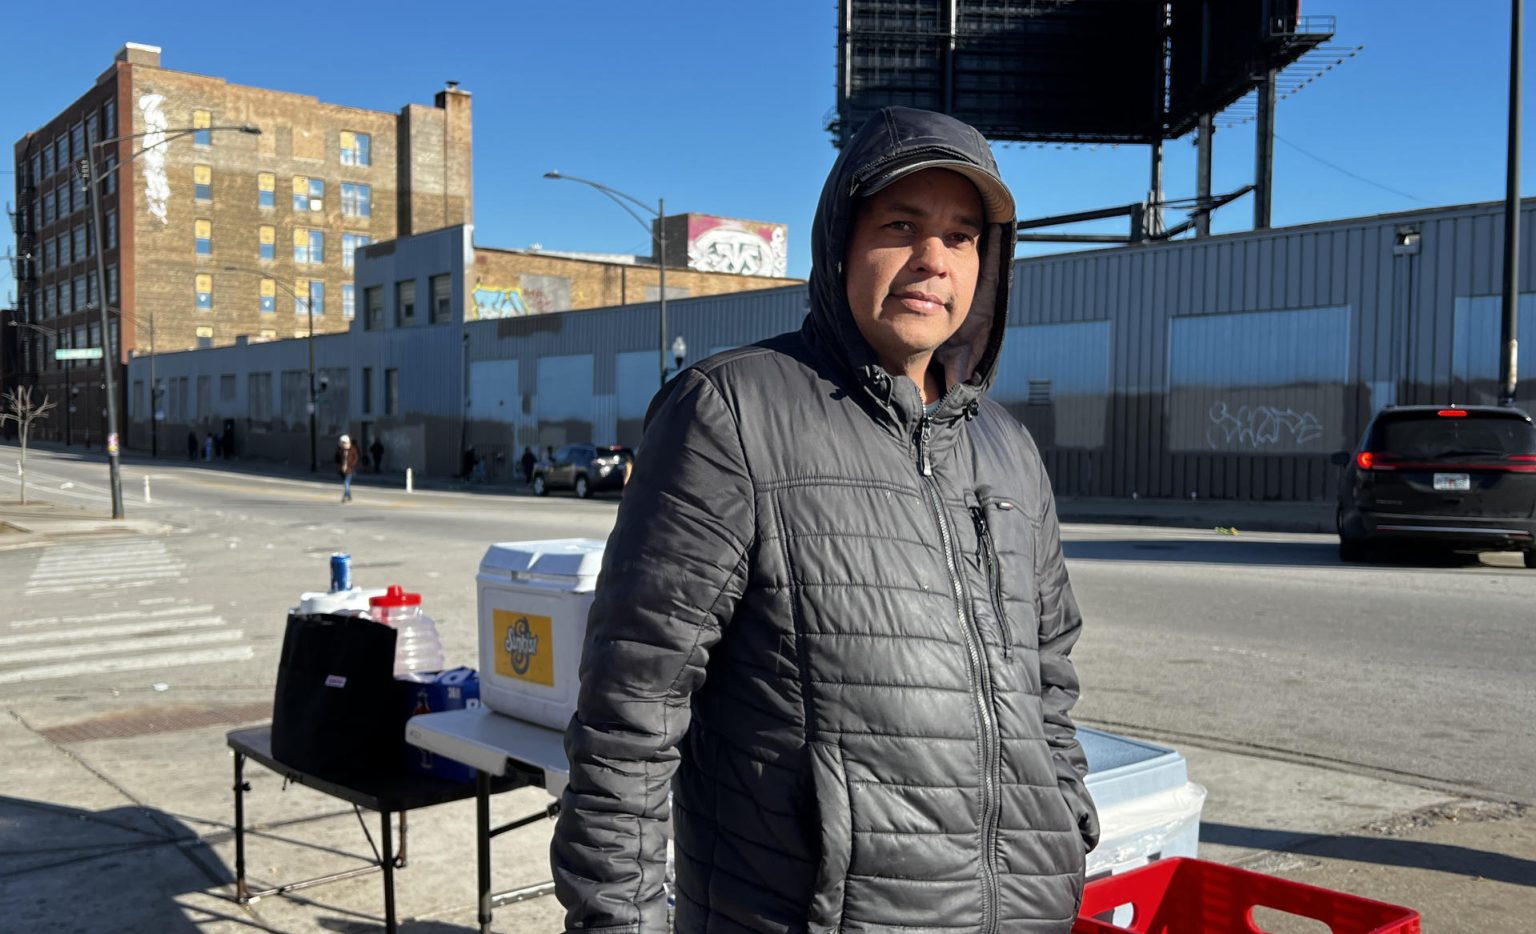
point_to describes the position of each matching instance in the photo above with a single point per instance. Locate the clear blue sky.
(719, 107)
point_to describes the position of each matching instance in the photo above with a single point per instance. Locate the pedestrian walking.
(376, 449)
(191, 445)
(833, 617)
(208, 448)
(346, 465)
(527, 461)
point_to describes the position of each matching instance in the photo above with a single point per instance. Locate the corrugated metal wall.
(1230, 367)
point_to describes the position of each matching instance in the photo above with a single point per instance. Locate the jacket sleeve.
(673, 570)
(1060, 625)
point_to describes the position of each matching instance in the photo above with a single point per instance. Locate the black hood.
(969, 357)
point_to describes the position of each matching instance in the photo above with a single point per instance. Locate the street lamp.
(309, 310)
(659, 234)
(91, 175)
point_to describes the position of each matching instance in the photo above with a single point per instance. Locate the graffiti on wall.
(745, 248)
(1260, 426)
(533, 295)
(157, 188)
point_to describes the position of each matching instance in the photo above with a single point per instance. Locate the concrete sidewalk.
(135, 801)
(40, 522)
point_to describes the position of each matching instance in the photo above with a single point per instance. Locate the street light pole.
(91, 173)
(309, 310)
(658, 239)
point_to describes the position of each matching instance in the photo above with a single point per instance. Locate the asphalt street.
(1278, 669)
(1419, 670)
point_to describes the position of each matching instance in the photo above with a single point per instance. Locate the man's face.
(912, 265)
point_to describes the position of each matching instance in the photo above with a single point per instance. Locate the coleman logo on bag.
(525, 651)
(335, 681)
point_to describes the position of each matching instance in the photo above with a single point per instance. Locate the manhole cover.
(148, 721)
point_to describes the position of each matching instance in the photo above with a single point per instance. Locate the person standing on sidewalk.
(833, 618)
(346, 465)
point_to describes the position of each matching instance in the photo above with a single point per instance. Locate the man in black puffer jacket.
(833, 615)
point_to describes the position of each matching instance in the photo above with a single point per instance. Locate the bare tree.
(20, 408)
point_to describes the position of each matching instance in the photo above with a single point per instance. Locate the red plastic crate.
(1190, 896)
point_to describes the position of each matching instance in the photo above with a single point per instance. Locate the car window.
(1429, 436)
(565, 455)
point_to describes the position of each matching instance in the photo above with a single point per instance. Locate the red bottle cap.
(396, 596)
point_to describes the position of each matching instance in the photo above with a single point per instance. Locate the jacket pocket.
(1004, 545)
(829, 783)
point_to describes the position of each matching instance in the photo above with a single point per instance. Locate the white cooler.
(533, 603)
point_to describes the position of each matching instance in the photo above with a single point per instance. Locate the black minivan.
(1459, 477)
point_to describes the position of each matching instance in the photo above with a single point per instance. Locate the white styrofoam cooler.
(533, 601)
(1148, 808)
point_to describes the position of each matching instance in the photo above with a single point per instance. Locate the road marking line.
(121, 646)
(121, 614)
(135, 663)
(109, 577)
(84, 563)
(111, 571)
(120, 629)
(103, 588)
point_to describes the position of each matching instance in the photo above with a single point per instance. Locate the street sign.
(77, 353)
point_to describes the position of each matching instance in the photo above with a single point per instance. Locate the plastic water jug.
(417, 647)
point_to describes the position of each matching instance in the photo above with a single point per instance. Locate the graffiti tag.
(1259, 426)
(742, 252)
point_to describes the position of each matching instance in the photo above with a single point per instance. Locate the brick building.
(218, 233)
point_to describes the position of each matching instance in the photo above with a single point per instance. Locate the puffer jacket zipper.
(986, 553)
(981, 683)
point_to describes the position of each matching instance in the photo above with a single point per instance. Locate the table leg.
(483, 846)
(400, 856)
(389, 876)
(242, 891)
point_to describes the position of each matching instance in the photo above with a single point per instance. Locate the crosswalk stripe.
(116, 629)
(121, 646)
(118, 569)
(132, 663)
(101, 587)
(119, 614)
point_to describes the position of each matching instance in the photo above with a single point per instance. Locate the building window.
(348, 301)
(349, 244)
(266, 190)
(79, 303)
(308, 246)
(268, 237)
(226, 387)
(77, 141)
(405, 303)
(204, 286)
(367, 390)
(50, 255)
(356, 200)
(202, 183)
(373, 307)
(61, 153)
(109, 175)
(111, 229)
(90, 290)
(112, 285)
(258, 397)
(202, 120)
(77, 241)
(309, 294)
(47, 162)
(355, 148)
(391, 392)
(268, 296)
(109, 119)
(204, 341)
(202, 232)
(308, 193)
(47, 207)
(442, 299)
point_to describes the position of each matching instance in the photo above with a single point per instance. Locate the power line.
(1353, 175)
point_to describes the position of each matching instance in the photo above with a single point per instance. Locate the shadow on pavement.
(1379, 851)
(1236, 550)
(75, 869)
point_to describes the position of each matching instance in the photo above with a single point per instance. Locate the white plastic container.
(533, 601)
(337, 601)
(417, 646)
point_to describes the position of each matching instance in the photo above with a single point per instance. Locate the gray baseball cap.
(996, 199)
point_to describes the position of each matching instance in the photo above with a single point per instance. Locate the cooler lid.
(573, 558)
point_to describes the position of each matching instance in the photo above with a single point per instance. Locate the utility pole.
(1509, 344)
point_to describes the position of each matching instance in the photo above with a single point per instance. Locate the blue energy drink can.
(341, 572)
